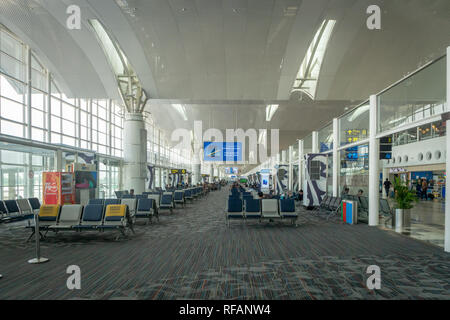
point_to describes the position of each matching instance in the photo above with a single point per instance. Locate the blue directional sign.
(222, 151)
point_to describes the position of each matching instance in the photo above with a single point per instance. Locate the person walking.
(387, 185)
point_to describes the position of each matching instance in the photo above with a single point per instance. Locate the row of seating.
(20, 209)
(332, 205)
(261, 209)
(165, 201)
(139, 208)
(76, 217)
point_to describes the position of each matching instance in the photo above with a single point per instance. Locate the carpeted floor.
(192, 254)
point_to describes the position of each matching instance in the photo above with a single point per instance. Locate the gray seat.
(69, 216)
(269, 208)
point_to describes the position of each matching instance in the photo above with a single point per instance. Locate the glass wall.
(354, 169)
(418, 97)
(21, 170)
(90, 124)
(307, 144)
(354, 126)
(326, 138)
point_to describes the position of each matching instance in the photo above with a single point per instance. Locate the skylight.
(181, 110)
(270, 111)
(130, 88)
(308, 74)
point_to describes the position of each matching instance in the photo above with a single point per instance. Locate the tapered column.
(374, 150)
(335, 157)
(315, 142)
(135, 152)
(447, 164)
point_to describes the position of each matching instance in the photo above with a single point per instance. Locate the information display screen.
(222, 151)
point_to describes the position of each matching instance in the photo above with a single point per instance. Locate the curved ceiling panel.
(73, 56)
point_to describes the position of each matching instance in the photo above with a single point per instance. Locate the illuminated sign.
(222, 151)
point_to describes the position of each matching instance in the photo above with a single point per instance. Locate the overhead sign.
(222, 151)
(386, 148)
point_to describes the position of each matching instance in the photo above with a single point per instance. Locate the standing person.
(131, 192)
(424, 188)
(300, 195)
(387, 185)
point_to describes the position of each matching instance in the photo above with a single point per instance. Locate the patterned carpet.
(192, 254)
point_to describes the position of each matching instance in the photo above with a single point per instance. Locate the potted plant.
(404, 199)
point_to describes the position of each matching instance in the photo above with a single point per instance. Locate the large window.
(417, 97)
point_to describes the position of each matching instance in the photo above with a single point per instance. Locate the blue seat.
(141, 196)
(178, 197)
(92, 217)
(166, 201)
(13, 211)
(11, 206)
(2, 208)
(96, 201)
(35, 204)
(252, 208)
(146, 208)
(188, 194)
(234, 209)
(287, 209)
(107, 202)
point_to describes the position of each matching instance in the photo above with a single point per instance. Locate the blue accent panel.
(348, 213)
(47, 218)
(113, 218)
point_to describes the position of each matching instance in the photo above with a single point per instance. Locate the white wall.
(409, 153)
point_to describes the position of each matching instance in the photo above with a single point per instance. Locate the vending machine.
(58, 188)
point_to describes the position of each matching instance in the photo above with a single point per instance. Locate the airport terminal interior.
(224, 149)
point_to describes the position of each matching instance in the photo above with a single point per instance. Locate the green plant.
(404, 197)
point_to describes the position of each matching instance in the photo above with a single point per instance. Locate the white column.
(315, 142)
(29, 92)
(447, 170)
(335, 157)
(300, 165)
(291, 169)
(447, 164)
(49, 107)
(374, 150)
(135, 152)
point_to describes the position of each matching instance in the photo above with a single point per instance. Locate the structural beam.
(374, 150)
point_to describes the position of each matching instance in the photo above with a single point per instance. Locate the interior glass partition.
(354, 126)
(307, 144)
(326, 138)
(354, 169)
(417, 97)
